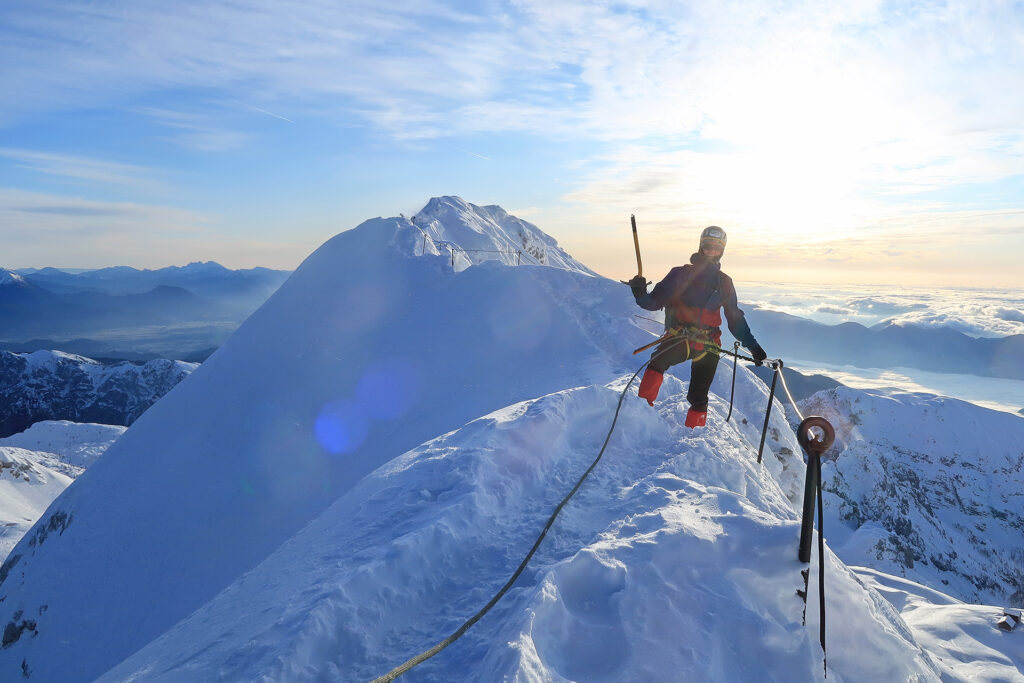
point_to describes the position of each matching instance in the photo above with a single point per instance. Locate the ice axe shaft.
(636, 243)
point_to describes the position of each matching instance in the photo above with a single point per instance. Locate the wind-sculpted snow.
(928, 488)
(370, 348)
(675, 561)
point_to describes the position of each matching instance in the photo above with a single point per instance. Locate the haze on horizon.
(857, 143)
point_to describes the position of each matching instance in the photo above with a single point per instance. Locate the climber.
(692, 296)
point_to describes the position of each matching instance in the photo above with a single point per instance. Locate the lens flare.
(341, 427)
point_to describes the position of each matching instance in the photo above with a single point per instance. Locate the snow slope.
(370, 348)
(29, 481)
(960, 637)
(76, 443)
(37, 465)
(928, 488)
(676, 561)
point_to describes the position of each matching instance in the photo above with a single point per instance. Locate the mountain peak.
(9, 277)
(205, 267)
(473, 234)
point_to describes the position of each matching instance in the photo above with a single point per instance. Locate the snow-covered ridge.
(676, 561)
(473, 234)
(370, 348)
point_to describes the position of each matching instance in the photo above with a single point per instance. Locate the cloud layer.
(977, 313)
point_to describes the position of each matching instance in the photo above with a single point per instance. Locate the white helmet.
(714, 235)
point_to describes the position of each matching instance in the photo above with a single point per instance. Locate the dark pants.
(702, 372)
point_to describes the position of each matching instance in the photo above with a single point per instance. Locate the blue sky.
(858, 142)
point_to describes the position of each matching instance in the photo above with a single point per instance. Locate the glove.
(638, 285)
(758, 353)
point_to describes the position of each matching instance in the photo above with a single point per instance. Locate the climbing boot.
(650, 385)
(696, 418)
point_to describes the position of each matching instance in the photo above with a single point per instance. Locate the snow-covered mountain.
(474, 234)
(928, 488)
(52, 385)
(366, 460)
(374, 345)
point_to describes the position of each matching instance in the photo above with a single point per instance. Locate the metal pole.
(735, 359)
(814, 448)
(767, 414)
(810, 491)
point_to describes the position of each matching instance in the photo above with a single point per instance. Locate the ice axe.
(636, 245)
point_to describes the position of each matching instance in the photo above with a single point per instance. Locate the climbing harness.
(687, 333)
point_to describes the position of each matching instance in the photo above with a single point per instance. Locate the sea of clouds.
(974, 312)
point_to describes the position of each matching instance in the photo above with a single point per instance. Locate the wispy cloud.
(36, 215)
(84, 169)
(75, 232)
(195, 131)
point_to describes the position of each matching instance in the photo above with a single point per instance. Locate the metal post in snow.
(814, 447)
(768, 412)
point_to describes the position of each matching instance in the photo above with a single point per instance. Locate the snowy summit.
(367, 459)
(10, 278)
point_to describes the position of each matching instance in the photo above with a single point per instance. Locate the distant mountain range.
(887, 345)
(125, 312)
(50, 385)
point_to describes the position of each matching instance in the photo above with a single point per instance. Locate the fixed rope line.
(427, 654)
(790, 395)
(459, 632)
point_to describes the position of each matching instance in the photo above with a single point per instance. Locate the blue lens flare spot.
(341, 427)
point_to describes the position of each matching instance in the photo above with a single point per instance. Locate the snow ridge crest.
(473, 234)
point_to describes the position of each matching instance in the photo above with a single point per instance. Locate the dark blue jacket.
(693, 295)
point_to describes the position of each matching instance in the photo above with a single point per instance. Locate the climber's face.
(711, 248)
